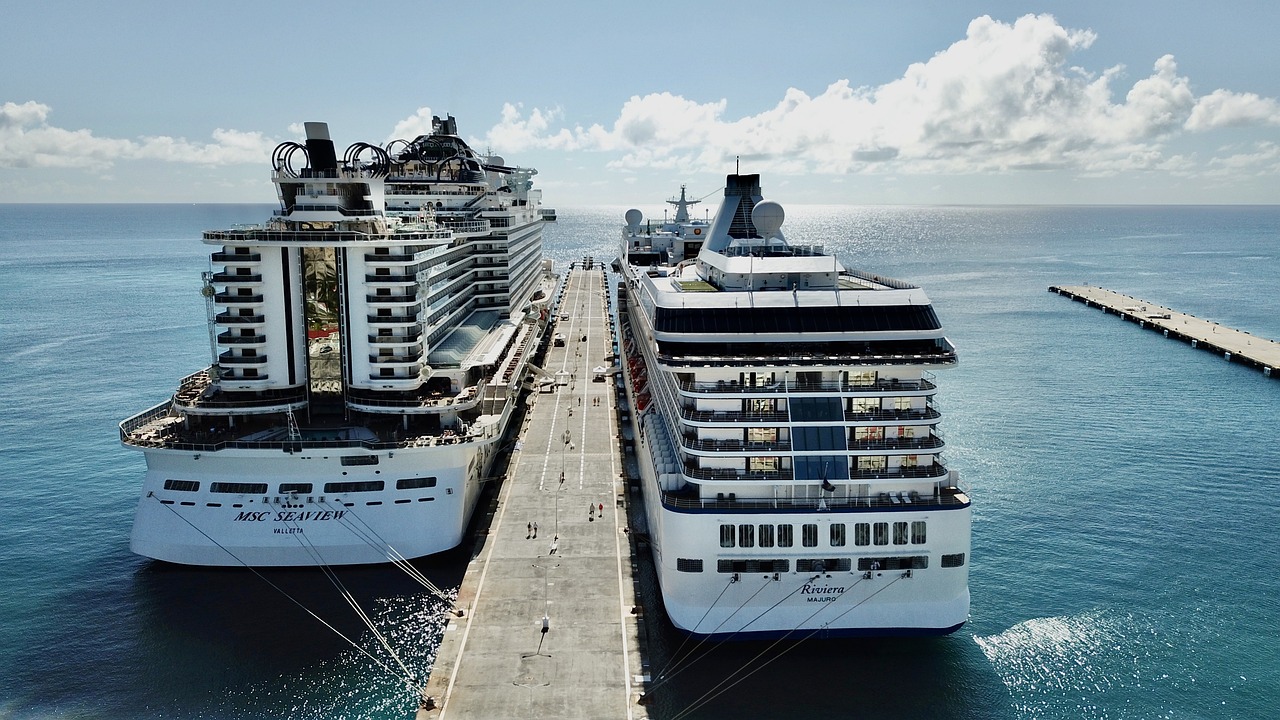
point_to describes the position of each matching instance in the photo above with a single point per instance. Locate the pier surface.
(1235, 345)
(543, 626)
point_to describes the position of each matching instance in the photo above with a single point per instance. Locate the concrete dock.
(544, 624)
(1234, 345)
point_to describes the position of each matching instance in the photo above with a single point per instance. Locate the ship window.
(354, 486)
(906, 562)
(917, 532)
(824, 565)
(359, 460)
(862, 534)
(816, 409)
(760, 406)
(865, 405)
(881, 533)
(837, 534)
(746, 536)
(871, 462)
(295, 488)
(689, 564)
(861, 378)
(182, 485)
(238, 488)
(762, 435)
(902, 403)
(786, 536)
(726, 536)
(766, 536)
(899, 533)
(414, 483)
(809, 535)
(868, 433)
(825, 437)
(954, 560)
(821, 467)
(763, 464)
(753, 566)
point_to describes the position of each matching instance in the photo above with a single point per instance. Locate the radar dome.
(497, 160)
(767, 216)
(633, 217)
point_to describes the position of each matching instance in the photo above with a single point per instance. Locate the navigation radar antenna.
(767, 216)
(682, 206)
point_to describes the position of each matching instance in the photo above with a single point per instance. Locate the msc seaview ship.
(368, 344)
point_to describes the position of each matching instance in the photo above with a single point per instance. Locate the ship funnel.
(320, 147)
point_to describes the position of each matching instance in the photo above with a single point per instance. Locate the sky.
(850, 103)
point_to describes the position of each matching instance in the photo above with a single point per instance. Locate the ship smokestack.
(324, 160)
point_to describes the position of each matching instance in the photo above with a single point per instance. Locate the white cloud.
(27, 140)
(411, 127)
(1223, 108)
(1005, 97)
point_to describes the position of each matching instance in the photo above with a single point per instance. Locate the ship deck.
(543, 626)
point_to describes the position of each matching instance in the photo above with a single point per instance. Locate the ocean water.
(1124, 485)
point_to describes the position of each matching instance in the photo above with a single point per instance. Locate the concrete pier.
(544, 624)
(1234, 345)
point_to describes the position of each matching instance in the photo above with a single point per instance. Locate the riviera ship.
(786, 432)
(369, 341)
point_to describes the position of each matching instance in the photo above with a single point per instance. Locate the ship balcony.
(226, 278)
(227, 338)
(738, 475)
(695, 445)
(907, 417)
(229, 359)
(914, 472)
(383, 320)
(945, 495)
(230, 299)
(228, 379)
(728, 387)
(229, 319)
(398, 299)
(389, 279)
(412, 361)
(904, 446)
(730, 416)
(236, 258)
(399, 258)
(394, 340)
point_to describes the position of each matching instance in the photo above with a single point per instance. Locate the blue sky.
(831, 102)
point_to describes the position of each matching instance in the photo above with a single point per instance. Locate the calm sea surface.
(1124, 485)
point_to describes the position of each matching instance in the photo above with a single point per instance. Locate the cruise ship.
(368, 342)
(786, 432)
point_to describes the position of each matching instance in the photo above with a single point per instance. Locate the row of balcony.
(774, 416)
(906, 445)
(791, 386)
(932, 470)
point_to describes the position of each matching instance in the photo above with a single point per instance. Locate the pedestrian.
(528, 530)
(535, 530)
(601, 511)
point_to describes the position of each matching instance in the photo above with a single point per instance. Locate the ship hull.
(342, 527)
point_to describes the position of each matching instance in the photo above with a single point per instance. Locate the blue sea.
(1125, 485)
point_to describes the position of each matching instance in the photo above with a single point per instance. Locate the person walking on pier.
(528, 530)
(535, 530)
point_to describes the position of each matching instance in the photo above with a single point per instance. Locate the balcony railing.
(732, 416)
(229, 319)
(392, 319)
(693, 443)
(227, 338)
(399, 278)
(229, 359)
(224, 278)
(944, 497)
(891, 415)
(230, 299)
(235, 258)
(391, 298)
(414, 339)
(931, 442)
(785, 386)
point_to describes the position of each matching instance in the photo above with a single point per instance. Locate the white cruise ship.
(368, 344)
(786, 433)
